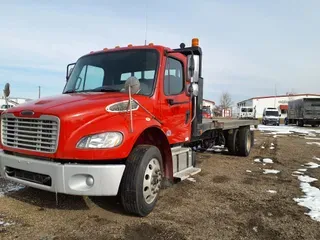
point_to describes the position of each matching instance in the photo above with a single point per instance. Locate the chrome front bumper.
(73, 179)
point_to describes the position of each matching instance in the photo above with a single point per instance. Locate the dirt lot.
(225, 202)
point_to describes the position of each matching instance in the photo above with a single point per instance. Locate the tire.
(300, 123)
(252, 138)
(244, 142)
(143, 161)
(232, 142)
(194, 158)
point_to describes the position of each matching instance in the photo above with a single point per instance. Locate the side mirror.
(70, 68)
(193, 67)
(6, 90)
(133, 83)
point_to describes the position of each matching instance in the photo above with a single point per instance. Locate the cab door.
(175, 102)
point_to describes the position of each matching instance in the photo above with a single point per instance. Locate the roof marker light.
(117, 46)
(195, 42)
(150, 44)
(105, 49)
(129, 45)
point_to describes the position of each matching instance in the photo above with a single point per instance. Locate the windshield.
(246, 110)
(108, 71)
(272, 113)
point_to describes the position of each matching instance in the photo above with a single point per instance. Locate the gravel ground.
(231, 199)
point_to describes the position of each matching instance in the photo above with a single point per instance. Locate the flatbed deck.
(226, 123)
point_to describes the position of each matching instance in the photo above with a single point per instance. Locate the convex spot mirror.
(6, 90)
(193, 67)
(193, 89)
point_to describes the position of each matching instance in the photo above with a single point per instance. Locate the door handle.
(172, 102)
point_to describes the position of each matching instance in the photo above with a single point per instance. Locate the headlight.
(101, 140)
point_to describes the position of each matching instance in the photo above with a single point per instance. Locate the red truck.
(125, 125)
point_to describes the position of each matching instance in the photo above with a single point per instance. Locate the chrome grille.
(35, 134)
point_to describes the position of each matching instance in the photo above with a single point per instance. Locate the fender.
(119, 122)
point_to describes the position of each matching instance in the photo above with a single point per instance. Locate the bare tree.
(225, 100)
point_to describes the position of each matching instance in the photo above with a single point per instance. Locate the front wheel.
(141, 181)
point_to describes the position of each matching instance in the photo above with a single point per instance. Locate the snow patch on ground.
(284, 130)
(271, 147)
(272, 191)
(262, 147)
(191, 179)
(297, 172)
(248, 171)
(307, 179)
(5, 224)
(312, 138)
(313, 143)
(315, 158)
(312, 165)
(302, 169)
(267, 160)
(257, 160)
(7, 187)
(271, 171)
(310, 200)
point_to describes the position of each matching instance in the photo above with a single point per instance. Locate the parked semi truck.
(304, 111)
(125, 125)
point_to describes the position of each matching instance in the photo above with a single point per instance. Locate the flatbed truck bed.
(226, 123)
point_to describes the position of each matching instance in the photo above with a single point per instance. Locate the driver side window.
(173, 77)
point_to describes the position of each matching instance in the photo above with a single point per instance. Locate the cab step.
(186, 173)
(183, 162)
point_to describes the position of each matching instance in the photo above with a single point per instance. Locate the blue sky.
(249, 47)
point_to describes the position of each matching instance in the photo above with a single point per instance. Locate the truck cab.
(271, 116)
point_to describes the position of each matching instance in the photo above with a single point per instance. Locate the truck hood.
(82, 114)
(77, 109)
(71, 105)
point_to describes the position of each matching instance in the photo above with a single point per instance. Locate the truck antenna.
(146, 32)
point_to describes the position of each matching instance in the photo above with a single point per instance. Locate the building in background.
(280, 102)
(209, 105)
(12, 101)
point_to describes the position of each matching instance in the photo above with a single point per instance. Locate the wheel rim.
(152, 180)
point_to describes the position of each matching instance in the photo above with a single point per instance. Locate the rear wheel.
(245, 141)
(141, 181)
(252, 138)
(300, 123)
(233, 141)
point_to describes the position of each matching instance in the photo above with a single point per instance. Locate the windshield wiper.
(104, 89)
(69, 91)
(99, 89)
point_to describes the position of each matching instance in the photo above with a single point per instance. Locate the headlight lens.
(101, 140)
